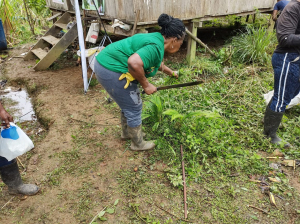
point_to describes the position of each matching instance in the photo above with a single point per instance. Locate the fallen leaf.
(274, 180)
(101, 214)
(256, 181)
(116, 202)
(110, 210)
(272, 199)
(24, 197)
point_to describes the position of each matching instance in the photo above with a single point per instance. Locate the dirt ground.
(62, 104)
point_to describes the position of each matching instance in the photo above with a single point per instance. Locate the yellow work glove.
(128, 77)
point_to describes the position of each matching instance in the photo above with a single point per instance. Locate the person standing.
(9, 170)
(286, 66)
(279, 6)
(122, 65)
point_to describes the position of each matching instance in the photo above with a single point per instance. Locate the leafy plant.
(176, 115)
(153, 110)
(23, 18)
(254, 45)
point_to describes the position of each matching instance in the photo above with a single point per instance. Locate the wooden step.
(54, 16)
(61, 25)
(39, 52)
(51, 39)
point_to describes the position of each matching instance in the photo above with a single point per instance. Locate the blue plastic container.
(3, 43)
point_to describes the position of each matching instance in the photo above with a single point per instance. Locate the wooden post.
(254, 17)
(271, 24)
(247, 18)
(191, 49)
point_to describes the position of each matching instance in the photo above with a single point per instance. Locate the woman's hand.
(150, 89)
(6, 117)
(175, 74)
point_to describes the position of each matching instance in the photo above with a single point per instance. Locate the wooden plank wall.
(66, 6)
(183, 9)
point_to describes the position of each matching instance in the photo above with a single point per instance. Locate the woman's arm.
(136, 69)
(165, 69)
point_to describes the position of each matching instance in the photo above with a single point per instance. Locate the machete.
(177, 85)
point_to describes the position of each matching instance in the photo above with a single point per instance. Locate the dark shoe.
(11, 177)
(272, 121)
(137, 142)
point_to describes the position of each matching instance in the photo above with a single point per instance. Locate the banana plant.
(153, 109)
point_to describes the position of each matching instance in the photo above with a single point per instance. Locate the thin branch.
(184, 185)
(7, 202)
(251, 206)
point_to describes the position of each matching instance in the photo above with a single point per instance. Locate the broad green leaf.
(116, 202)
(101, 214)
(110, 210)
(155, 126)
(103, 219)
(170, 112)
(144, 116)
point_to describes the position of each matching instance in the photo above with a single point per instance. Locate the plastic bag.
(91, 55)
(294, 102)
(14, 142)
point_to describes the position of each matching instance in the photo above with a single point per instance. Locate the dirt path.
(75, 163)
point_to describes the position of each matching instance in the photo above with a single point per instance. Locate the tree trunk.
(29, 18)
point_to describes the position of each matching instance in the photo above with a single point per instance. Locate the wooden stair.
(50, 46)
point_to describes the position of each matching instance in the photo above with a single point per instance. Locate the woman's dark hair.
(171, 27)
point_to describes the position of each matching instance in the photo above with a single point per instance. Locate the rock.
(275, 166)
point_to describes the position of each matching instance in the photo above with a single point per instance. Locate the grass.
(254, 46)
(217, 147)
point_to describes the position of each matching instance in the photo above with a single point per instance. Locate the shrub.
(254, 45)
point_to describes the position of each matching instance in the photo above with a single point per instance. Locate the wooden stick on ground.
(200, 42)
(251, 206)
(20, 162)
(7, 202)
(184, 185)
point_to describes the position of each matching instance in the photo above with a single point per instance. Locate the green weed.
(254, 45)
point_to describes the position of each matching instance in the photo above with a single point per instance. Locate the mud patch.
(21, 106)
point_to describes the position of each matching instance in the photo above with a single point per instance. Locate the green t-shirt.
(150, 47)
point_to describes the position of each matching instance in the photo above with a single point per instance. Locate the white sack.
(295, 101)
